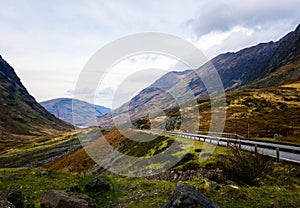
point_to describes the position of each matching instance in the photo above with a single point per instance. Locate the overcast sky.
(49, 42)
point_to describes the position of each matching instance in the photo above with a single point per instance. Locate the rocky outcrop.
(96, 185)
(187, 197)
(58, 199)
(176, 176)
(4, 203)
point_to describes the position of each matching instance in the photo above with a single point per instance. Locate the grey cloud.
(224, 15)
(237, 40)
(70, 92)
(106, 92)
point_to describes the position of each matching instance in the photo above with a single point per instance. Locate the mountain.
(236, 70)
(62, 109)
(20, 114)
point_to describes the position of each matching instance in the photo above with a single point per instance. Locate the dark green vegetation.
(135, 148)
(69, 110)
(131, 192)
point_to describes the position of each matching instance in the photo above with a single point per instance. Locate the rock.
(2, 175)
(75, 189)
(212, 185)
(4, 203)
(58, 199)
(97, 184)
(187, 197)
(13, 196)
(42, 173)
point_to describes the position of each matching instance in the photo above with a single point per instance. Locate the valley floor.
(276, 185)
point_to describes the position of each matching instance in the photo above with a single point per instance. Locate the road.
(282, 151)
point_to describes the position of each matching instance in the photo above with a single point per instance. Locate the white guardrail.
(280, 151)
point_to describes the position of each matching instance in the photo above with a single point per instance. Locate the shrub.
(243, 167)
(191, 166)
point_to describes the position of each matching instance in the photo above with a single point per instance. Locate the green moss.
(132, 192)
(34, 185)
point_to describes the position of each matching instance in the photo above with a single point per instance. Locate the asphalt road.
(286, 152)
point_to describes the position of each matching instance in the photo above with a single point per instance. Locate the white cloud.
(128, 77)
(49, 42)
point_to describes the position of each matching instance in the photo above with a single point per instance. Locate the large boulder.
(96, 185)
(13, 196)
(58, 199)
(187, 197)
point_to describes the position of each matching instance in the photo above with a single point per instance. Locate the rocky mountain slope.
(62, 109)
(20, 114)
(235, 69)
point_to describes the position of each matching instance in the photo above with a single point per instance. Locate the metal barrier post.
(277, 154)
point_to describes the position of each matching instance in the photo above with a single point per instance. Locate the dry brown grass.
(76, 162)
(79, 161)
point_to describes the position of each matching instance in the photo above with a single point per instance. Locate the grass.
(34, 186)
(255, 197)
(264, 112)
(140, 192)
(41, 143)
(132, 192)
(277, 186)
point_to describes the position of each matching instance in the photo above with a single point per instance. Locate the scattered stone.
(277, 136)
(186, 196)
(74, 189)
(176, 176)
(96, 170)
(234, 186)
(4, 203)
(42, 173)
(96, 185)
(13, 196)
(58, 199)
(2, 175)
(212, 185)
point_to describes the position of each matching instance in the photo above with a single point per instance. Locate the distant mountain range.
(263, 65)
(62, 109)
(20, 114)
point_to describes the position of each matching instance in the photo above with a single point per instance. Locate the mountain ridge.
(235, 70)
(62, 108)
(20, 113)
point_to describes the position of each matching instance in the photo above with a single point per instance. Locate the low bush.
(243, 167)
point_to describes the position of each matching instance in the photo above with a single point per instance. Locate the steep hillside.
(235, 69)
(256, 113)
(20, 114)
(62, 109)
